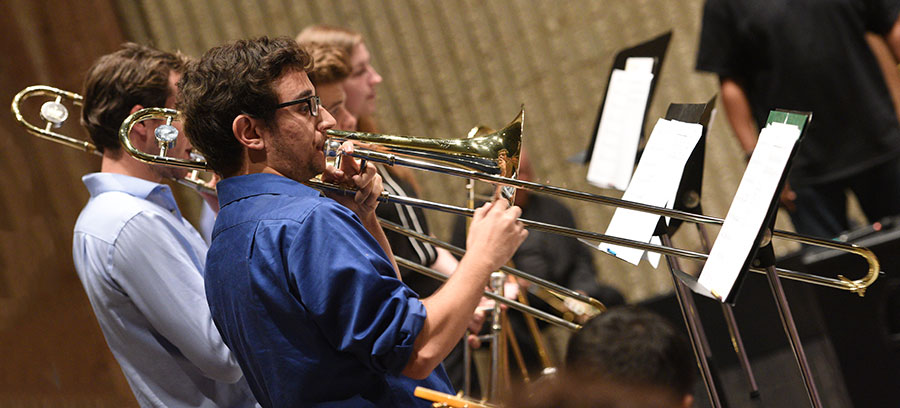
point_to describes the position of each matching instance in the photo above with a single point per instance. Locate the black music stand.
(656, 49)
(761, 255)
(688, 200)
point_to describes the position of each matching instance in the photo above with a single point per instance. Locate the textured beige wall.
(449, 65)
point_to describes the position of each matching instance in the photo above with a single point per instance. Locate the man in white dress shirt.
(141, 263)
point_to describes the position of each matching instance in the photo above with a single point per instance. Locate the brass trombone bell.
(54, 113)
(494, 153)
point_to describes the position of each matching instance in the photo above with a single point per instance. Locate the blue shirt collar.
(240, 187)
(159, 194)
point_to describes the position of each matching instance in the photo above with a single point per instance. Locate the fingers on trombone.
(474, 341)
(348, 166)
(480, 212)
(369, 195)
(498, 193)
(369, 184)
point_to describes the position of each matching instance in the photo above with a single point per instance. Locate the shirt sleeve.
(349, 287)
(719, 50)
(158, 270)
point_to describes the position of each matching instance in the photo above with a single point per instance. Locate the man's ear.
(248, 131)
(138, 129)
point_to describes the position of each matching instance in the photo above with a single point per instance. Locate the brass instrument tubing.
(42, 90)
(552, 286)
(540, 314)
(856, 286)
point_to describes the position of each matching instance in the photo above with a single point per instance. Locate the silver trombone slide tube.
(856, 286)
(394, 159)
(540, 314)
(551, 286)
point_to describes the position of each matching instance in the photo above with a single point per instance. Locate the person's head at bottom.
(625, 357)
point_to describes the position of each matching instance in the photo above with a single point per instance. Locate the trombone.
(493, 158)
(398, 146)
(171, 114)
(54, 113)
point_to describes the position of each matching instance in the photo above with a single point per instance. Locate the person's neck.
(119, 162)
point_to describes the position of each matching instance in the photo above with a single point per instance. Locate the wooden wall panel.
(53, 351)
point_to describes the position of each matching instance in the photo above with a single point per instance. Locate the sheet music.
(749, 208)
(620, 127)
(639, 64)
(655, 182)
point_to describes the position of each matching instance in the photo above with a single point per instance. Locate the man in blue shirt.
(303, 287)
(141, 263)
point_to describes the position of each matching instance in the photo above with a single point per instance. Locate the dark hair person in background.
(303, 287)
(635, 347)
(141, 263)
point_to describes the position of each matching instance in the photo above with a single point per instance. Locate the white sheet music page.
(620, 126)
(655, 182)
(748, 209)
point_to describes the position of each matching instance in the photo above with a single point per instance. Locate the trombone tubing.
(857, 286)
(43, 90)
(548, 285)
(540, 314)
(159, 113)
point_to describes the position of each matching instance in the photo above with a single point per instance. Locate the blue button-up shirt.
(141, 265)
(308, 300)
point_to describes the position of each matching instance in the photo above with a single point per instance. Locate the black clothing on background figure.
(405, 247)
(812, 55)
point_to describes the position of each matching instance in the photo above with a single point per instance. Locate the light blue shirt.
(141, 264)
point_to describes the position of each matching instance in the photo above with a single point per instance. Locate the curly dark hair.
(633, 346)
(134, 75)
(229, 80)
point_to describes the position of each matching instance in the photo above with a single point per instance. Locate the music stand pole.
(694, 327)
(497, 281)
(767, 258)
(736, 341)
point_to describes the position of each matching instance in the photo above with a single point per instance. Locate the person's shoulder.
(107, 214)
(284, 209)
(332, 215)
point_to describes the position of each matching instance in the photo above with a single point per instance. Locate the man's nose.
(326, 120)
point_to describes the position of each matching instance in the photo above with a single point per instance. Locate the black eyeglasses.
(312, 104)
